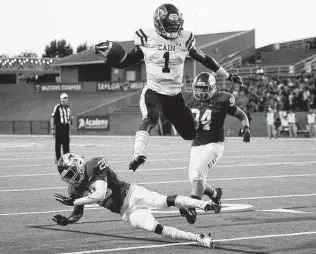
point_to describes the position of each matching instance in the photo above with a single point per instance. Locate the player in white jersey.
(164, 50)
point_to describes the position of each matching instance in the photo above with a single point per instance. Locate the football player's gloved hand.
(64, 200)
(61, 220)
(246, 134)
(102, 49)
(235, 79)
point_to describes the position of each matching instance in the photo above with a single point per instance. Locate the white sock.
(179, 235)
(141, 140)
(183, 201)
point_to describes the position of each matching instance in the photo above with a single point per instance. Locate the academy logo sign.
(86, 123)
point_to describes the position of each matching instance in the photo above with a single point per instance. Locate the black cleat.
(217, 200)
(136, 162)
(189, 214)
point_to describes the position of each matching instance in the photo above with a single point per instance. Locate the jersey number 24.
(205, 120)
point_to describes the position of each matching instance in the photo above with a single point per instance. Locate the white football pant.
(203, 158)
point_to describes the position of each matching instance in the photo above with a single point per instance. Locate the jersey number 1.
(166, 69)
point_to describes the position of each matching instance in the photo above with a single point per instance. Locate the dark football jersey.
(98, 169)
(210, 116)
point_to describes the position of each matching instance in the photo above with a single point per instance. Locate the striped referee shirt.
(61, 114)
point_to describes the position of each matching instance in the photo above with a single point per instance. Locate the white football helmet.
(71, 168)
(204, 86)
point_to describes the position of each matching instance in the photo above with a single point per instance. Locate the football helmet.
(168, 21)
(204, 86)
(71, 168)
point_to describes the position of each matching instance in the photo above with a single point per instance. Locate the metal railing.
(24, 127)
(281, 70)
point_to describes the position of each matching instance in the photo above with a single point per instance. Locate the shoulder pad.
(189, 39)
(141, 37)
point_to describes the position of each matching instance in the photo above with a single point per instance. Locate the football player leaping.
(209, 108)
(164, 50)
(96, 182)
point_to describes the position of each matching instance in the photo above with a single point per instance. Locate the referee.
(60, 125)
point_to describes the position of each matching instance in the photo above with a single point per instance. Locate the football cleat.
(217, 200)
(136, 162)
(189, 214)
(206, 240)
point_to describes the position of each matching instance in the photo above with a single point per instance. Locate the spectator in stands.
(311, 123)
(270, 122)
(60, 126)
(278, 126)
(291, 117)
(306, 97)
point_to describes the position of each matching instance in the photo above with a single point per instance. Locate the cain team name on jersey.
(164, 59)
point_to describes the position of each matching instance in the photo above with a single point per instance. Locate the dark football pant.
(152, 104)
(61, 139)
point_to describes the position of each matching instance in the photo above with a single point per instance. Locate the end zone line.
(189, 243)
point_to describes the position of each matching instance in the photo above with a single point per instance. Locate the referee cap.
(63, 96)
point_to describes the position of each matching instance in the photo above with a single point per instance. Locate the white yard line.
(142, 247)
(180, 181)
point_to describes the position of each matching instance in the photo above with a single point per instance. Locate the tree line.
(56, 48)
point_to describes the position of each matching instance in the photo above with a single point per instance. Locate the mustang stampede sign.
(93, 123)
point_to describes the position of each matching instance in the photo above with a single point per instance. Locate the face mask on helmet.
(71, 168)
(168, 21)
(204, 86)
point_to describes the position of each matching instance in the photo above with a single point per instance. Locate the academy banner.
(86, 123)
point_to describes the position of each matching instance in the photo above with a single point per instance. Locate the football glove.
(246, 133)
(64, 200)
(110, 51)
(61, 220)
(234, 78)
(102, 49)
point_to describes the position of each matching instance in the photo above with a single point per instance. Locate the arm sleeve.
(204, 59)
(133, 57)
(96, 196)
(54, 110)
(76, 214)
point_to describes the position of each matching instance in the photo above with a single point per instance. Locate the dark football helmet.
(204, 86)
(71, 168)
(168, 21)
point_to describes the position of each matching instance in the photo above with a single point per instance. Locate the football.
(110, 51)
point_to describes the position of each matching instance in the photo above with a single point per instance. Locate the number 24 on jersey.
(205, 120)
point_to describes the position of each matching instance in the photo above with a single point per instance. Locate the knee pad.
(159, 229)
(171, 200)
